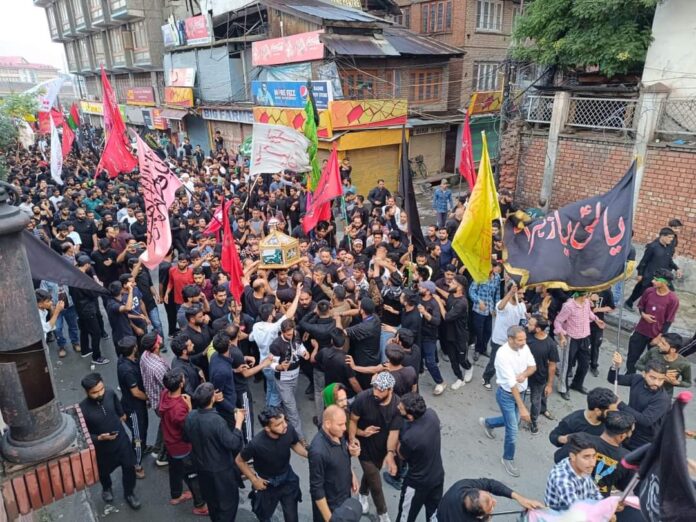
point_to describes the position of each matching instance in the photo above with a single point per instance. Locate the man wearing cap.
(442, 202)
(658, 307)
(375, 422)
(365, 338)
(133, 397)
(153, 367)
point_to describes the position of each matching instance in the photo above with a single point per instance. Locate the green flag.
(74, 117)
(310, 131)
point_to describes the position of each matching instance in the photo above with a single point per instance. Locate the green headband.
(661, 280)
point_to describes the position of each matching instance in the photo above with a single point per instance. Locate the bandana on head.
(383, 381)
(661, 280)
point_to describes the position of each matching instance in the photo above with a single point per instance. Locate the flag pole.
(618, 328)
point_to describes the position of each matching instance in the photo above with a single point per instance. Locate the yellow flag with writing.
(473, 241)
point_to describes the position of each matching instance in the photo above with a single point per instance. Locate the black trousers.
(637, 344)
(638, 290)
(489, 372)
(107, 464)
(457, 351)
(537, 400)
(221, 493)
(138, 422)
(90, 336)
(596, 338)
(414, 498)
(288, 494)
(170, 308)
(580, 354)
(183, 469)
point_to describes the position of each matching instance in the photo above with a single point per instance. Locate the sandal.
(77, 348)
(62, 353)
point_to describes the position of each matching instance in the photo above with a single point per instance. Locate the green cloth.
(328, 395)
(310, 132)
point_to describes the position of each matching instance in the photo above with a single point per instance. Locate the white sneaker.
(384, 517)
(364, 503)
(440, 389)
(457, 384)
(468, 375)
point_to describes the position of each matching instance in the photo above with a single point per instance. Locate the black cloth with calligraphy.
(409, 198)
(582, 245)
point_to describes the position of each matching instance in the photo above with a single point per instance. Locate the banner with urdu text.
(275, 148)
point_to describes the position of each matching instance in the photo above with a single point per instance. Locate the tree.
(12, 108)
(613, 35)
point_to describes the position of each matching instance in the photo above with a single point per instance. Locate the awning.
(358, 45)
(173, 114)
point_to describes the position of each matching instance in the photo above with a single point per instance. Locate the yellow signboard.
(485, 101)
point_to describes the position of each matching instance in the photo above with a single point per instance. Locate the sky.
(24, 32)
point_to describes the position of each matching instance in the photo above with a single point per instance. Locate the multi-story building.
(17, 75)
(123, 36)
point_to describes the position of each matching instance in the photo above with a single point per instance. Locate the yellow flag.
(473, 241)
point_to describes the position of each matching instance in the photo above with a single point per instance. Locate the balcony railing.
(602, 113)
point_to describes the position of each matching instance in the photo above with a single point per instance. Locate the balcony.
(42, 3)
(125, 11)
(100, 14)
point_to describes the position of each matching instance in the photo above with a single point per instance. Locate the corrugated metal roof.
(358, 45)
(334, 13)
(407, 42)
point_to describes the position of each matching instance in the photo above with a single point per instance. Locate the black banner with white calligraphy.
(583, 245)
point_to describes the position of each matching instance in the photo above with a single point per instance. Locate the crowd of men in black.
(360, 316)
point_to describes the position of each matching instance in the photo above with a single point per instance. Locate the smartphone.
(113, 433)
(62, 296)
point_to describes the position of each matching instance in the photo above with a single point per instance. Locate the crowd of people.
(361, 317)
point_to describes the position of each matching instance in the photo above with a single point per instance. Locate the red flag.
(216, 223)
(328, 188)
(117, 156)
(467, 168)
(57, 116)
(230, 257)
(44, 122)
(68, 138)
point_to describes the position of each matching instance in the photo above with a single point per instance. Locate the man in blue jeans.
(514, 363)
(484, 297)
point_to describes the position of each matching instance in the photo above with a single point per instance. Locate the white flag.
(26, 135)
(275, 148)
(46, 101)
(56, 154)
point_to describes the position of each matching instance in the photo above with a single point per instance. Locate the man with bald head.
(331, 479)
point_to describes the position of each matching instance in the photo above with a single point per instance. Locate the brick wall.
(587, 166)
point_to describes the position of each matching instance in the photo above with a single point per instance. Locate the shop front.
(235, 125)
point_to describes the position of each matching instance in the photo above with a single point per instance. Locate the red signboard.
(140, 96)
(296, 48)
(158, 122)
(178, 96)
(197, 30)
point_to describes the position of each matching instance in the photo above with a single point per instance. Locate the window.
(360, 85)
(52, 21)
(117, 53)
(436, 17)
(63, 10)
(70, 55)
(486, 76)
(77, 12)
(141, 53)
(95, 9)
(98, 45)
(83, 50)
(117, 5)
(425, 86)
(404, 19)
(489, 15)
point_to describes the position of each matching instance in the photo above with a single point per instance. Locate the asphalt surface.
(466, 452)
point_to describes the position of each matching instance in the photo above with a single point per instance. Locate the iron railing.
(602, 113)
(539, 108)
(678, 117)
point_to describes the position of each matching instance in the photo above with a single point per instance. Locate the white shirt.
(509, 364)
(505, 318)
(263, 334)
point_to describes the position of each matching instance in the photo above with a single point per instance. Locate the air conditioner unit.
(127, 37)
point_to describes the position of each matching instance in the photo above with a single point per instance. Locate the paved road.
(466, 451)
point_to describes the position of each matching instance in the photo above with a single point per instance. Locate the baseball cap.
(428, 285)
(84, 260)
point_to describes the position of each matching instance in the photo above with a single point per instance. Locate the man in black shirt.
(138, 228)
(600, 401)
(105, 263)
(365, 338)
(331, 479)
(183, 350)
(430, 311)
(657, 256)
(455, 318)
(118, 313)
(133, 398)
(471, 500)
(419, 446)
(86, 229)
(545, 353)
(375, 421)
(104, 417)
(648, 402)
(220, 305)
(273, 478)
(602, 303)
(214, 446)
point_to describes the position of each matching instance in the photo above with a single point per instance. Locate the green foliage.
(19, 105)
(611, 34)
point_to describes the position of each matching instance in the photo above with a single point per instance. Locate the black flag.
(666, 491)
(409, 198)
(584, 245)
(46, 264)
